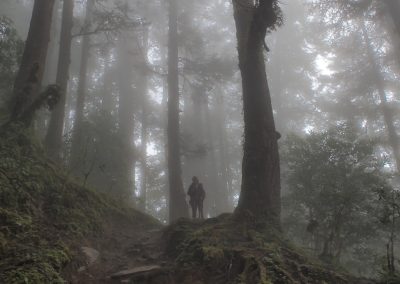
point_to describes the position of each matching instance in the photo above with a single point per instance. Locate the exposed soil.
(125, 251)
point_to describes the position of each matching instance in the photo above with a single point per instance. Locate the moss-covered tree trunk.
(177, 198)
(53, 140)
(260, 192)
(30, 73)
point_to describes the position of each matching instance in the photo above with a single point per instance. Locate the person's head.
(195, 179)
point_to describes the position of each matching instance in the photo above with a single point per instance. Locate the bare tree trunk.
(214, 188)
(177, 198)
(77, 135)
(260, 192)
(30, 73)
(53, 139)
(226, 175)
(126, 113)
(107, 103)
(144, 92)
(50, 70)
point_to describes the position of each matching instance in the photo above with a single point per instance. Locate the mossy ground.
(44, 216)
(221, 250)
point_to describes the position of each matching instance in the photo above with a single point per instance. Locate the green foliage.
(104, 157)
(333, 181)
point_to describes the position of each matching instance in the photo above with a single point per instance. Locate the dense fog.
(152, 95)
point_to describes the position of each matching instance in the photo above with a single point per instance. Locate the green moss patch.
(222, 250)
(43, 214)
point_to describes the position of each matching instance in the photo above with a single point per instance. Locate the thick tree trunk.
(30, 73)
(260, 192)
(53, 139)
(177, 198)
(77, 132)
(50, 70)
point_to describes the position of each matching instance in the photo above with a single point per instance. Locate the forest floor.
(213, 251)
(122, 253)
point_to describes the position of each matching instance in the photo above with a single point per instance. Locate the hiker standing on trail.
(197, 196)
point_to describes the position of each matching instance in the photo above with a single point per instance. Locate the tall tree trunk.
(77, 132)
(214, 187)
(49, 74)
(107, 103)
(177, 198)
(126, 115)
(30, 73)
(53, 139)
(393, 138)
(144, 135)
(50, 70)
(225, 169)
(260, 192)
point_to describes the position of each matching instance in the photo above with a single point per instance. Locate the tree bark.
(260, 191)
(77, 135)
(53, 140)
(177, 198)
(50, 70)
(27, 82)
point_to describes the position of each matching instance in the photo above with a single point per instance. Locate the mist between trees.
(148, 94)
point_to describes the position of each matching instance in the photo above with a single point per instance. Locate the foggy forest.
(199, 142)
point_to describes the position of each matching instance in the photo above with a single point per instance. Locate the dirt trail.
(122, 256)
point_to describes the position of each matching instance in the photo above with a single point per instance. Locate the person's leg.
(193, 205)
(201, 209)
(196, 208)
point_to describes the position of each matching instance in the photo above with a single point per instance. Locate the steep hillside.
(45, 218)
